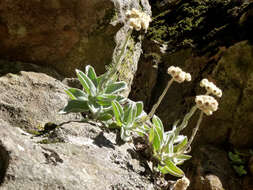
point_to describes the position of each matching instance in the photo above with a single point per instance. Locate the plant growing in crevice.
(127, 117)
(96, 97)
(100, 99)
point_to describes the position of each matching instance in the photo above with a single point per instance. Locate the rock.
(65, 34)
(206, 51)
(235, 74)
(75, 155)
(146, 75)
(181, 184)
(247, 183)
(210, 169)
(250, 165)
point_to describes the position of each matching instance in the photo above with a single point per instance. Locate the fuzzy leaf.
(101, 79)
(118, 112)
(139, 106)
(169, 146)
(125, 134)
(105, 117)
(75, 106)
(181, 145)
(156, 144)
(159, 127)
(106, 99)
(171, 168)
(115, 87)
(142, 130)
(87, 84)
(121, 99)
(90, 72)
(76, 94)
(180, 159)
(93, 106)
(131, 113)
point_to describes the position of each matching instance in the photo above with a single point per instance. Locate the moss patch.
(191, 23)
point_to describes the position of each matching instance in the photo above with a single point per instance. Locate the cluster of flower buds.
(138, 20)
(207, 104)
(211, 88)
(178, 75)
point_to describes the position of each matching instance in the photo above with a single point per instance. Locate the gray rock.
(75, 155)
(69, 34)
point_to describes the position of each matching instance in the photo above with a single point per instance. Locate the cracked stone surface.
(86, 157)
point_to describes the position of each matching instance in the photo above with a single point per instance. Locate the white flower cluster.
(211, 88)
(138, 20)
(178, 75)
(207, 104)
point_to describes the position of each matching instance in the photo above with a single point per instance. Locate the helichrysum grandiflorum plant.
(96, 96)
(101, 99)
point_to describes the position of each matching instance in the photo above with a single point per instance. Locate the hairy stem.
(185, 120)
(152, 112)
(194, 132)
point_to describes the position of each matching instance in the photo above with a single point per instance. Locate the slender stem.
(194, 132)
(152, 112)
(186, 120)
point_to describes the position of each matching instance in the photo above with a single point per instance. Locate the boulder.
(210, 169)
(68, 34)
(75, 155)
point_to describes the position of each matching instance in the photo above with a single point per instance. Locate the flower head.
(207, 104)
(138, 20)
(211, 88)
(178, 75)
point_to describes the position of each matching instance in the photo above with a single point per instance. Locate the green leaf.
(130, 114)
(90, 72)
(106, 99)
(87, 84)
(169, 144)
(125, 134)
(181, 158)
(75, 106)
(181, 145)
(121, 98)
(171, 168)
(101, 79)
(142, 130)
(94, 108)
(115, 87)
(151, 135)
(105, 117)
(118, 112)
(235, 158)
(159, 127)
(156, 141)
(76, 94)
(139, 106)
(240, 170)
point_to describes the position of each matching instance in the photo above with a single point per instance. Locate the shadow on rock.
(102, 141)
(4, 162)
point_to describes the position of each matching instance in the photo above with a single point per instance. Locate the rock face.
(209, 39)
(65, 34)
(214, 53)
(210, 169)
(73, 156)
